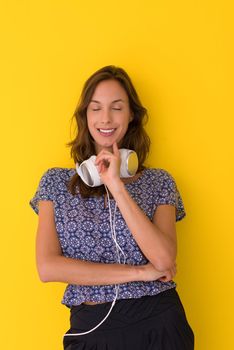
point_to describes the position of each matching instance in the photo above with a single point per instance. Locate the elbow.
(47, 268)
(43, 278)
(43, 273)
(163, 264)
(165, 261)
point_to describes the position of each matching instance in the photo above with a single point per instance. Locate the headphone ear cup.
(88, 172)
(129, 162)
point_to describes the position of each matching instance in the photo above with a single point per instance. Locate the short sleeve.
(45, 190)
(167, 192)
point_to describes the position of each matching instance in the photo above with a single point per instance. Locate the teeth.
(106, 131)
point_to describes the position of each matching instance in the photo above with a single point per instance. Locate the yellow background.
(179, 55)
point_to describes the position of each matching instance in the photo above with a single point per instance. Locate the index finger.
(115, 149)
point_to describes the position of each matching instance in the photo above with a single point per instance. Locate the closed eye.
(113, 108)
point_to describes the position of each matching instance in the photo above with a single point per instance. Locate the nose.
(106, 116)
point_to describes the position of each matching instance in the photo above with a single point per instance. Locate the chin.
(99, 147)
(107, 144)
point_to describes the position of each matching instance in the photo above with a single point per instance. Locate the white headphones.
(88, 171)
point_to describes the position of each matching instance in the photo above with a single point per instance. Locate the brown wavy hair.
(136, 138)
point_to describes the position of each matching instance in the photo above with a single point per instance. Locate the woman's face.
(108, 114)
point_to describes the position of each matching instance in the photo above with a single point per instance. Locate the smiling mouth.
(106, 132)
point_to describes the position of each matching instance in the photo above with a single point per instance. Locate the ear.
(131, 117)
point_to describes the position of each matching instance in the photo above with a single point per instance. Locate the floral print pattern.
(84, 232)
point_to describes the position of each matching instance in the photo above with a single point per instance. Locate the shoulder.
(166, 190)
(161, 181)
(52, 184)
(57, 178)
(59, 174)
(159, 175)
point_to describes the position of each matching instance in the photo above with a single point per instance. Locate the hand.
(169, 274)
(151, 274)
(108, 165)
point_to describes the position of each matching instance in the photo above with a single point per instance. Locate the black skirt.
(149, 323)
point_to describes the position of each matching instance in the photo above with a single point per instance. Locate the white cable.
(118, 248)
(91, 330)
(113, 228)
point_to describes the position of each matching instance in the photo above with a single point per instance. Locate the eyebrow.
(119, 100)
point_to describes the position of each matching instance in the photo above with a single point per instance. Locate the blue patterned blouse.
(83, 228)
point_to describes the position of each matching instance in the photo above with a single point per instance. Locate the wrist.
(116, 187)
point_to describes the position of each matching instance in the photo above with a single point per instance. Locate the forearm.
(74, 271)
(159, 249)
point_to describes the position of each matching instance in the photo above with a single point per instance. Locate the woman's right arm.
(52, 266)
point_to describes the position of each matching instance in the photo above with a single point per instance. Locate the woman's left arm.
(157, 239)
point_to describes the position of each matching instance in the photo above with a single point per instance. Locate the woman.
(114, 244)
